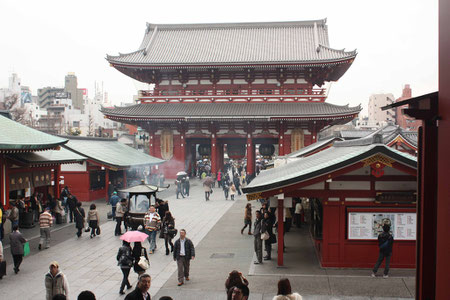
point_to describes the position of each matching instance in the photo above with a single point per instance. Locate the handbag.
(98, 231)
(143, 262)
(26, 249)
(173, 232)
(265, 236)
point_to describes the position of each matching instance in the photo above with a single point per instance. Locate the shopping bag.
(26, 249)
(97, 230)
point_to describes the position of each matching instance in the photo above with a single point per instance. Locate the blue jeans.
(152, 239)
(382, 256)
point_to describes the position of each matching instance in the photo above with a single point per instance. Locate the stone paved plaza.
(90, 264)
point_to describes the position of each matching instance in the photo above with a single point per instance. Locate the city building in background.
(403, 120)
(377, 117)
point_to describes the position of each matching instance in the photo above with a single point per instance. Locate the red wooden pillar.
(124, 178)
(280, 212)
(183, 148)
(151, 148)
(213, 153)
(250, 155)
(57, 189)
(281, 139)
(106, 185)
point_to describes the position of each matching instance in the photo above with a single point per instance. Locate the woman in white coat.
(285, 291)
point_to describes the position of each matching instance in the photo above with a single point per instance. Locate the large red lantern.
(266, 150)
(236, 151)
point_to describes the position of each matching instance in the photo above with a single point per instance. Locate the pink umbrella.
(134, 236)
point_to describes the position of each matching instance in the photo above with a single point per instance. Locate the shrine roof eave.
(48, 157)
(323, 163)
(230, 65)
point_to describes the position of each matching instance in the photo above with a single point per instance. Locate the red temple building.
(228, 87)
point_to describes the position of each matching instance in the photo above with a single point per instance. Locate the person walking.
(2, 222)
(79, 216)
(72, 204)
(2, 262)
(187, 186)
(183, 252)
(64, 196)
(385, 242)
(207, 188)
(168, 227)
(268, 224)
(16, 241)
(141, 291)
(152, 222)
(45, 222)
(232, 191)
(56, 282)
(258, 229)
(137, 252)
(285, 291)
(226, 188)
(234, 279)
(298, 214)
(219, 179)
(113, 201)
(14, 214)
(93, 219)
(247, 219)
(179, 187)
(120, 213)
(125, 262)
(239, 292)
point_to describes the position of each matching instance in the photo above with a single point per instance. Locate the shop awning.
(48, 157)
(110, 153)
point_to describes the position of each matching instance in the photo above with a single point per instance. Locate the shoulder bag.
(265, 236)
(143, 261)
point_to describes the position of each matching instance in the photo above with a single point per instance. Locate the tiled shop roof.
(188, 111)
(110, 152)
(61, 156)
(342, 154)
(234, 43)
(15, 137)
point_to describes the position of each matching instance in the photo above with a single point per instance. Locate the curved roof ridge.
(342, 51)
(236, 24)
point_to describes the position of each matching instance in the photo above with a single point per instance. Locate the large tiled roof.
(234, 43)
(61, 156)
(110, 152)
(342, 154)
(187, 111)
(16, 137)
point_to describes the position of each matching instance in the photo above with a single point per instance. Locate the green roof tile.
(111, 152)
(15, 136)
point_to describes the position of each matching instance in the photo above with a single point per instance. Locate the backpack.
(125, 260)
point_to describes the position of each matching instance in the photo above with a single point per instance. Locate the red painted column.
(106, 185)
(183, 148)
(213, 153)
(250, 155)
(124, 178)
(281, 139)
(56, 173)
(151, 148)
(280, 212)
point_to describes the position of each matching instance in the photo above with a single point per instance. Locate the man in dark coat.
(237, 183)
(79, 215)
(183, 252)
(72, 203)
(16, 241)
(385, 242)
(258, 229)
(141, 291)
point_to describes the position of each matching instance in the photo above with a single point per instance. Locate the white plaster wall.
(74, 167)
(360, 199)
(395, 185)
(350, 185)
(317, 186)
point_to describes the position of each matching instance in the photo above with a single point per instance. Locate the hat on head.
(114, 193)
(54, 263)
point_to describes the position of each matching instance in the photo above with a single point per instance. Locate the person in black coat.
(72, 204)
(385, 242)
(183, 252)
(125, 262)
(79, 215)
(141, 291)
(139, 251)
(268, 223)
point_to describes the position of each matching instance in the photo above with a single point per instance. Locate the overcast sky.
(397, 41)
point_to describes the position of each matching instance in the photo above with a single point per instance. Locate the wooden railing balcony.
(233, 95)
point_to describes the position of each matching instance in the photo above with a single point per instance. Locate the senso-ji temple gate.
(229, 87)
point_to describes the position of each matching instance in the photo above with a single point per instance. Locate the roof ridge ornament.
(316, 38)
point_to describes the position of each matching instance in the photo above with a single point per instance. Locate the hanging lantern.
(236, 151)
(266, 150)
(204, 150)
